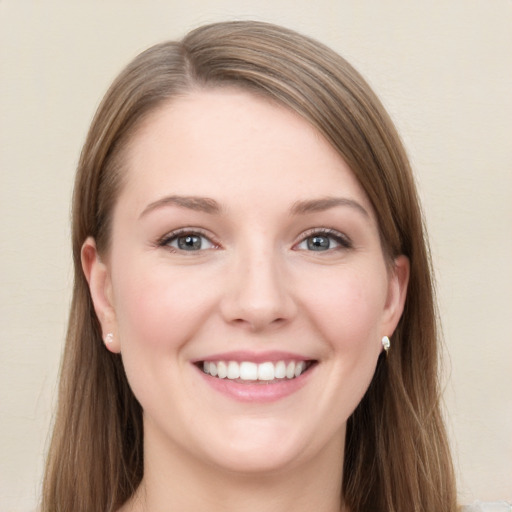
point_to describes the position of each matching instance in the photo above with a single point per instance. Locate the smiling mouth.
(247, 371)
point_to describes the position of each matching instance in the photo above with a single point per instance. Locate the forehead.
(231, 143)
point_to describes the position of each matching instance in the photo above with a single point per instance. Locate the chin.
(261, 447)
(256, 461)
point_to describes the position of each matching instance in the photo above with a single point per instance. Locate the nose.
(258, 296)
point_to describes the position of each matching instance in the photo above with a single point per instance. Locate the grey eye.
(319, 243)
(190, 242)
(323, 241)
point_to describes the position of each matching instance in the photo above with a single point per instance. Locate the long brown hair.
(396, 456)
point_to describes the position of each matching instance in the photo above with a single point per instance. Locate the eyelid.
(166, 239)
(343, 240)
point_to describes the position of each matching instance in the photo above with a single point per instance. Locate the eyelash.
(342, 241)
(168, 238)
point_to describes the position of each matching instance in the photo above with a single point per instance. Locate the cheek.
(158, 312)
(347, 308)
(160, 309)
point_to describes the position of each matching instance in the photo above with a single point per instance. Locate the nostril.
(260, 322)
(257, 300)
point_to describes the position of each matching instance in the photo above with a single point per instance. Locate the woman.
(253, 322)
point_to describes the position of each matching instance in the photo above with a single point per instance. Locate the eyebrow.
(200, 204)
(210, 206)
(325, 203)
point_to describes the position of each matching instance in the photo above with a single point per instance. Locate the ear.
(397, 292)
(100, 287)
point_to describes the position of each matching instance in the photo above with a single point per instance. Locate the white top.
(495, 506)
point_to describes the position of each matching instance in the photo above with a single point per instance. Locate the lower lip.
(260, 392)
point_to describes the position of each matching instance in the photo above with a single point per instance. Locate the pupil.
(189, 242)
(318, 243)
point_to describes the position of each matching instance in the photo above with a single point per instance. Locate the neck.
(174, 481)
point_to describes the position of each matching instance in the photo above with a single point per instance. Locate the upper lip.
(255, 357)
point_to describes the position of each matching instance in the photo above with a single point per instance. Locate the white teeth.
(290, 370)
(250, 371)
(266, 371)
(280, 370)
(299, 368)
(222, 370)
(233, 370)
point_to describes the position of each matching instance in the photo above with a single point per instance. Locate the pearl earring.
(109, 338)
(386, 344)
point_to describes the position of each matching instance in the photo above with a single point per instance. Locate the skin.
(255, 285)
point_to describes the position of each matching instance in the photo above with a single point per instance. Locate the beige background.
(443, 69)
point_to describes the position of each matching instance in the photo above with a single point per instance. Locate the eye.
(323, 240)
(188, 241)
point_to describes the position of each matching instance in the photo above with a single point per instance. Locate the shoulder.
(495, 506)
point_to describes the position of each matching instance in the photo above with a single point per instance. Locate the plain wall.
(443, 69)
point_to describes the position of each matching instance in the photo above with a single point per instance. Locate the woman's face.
(245, 285)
